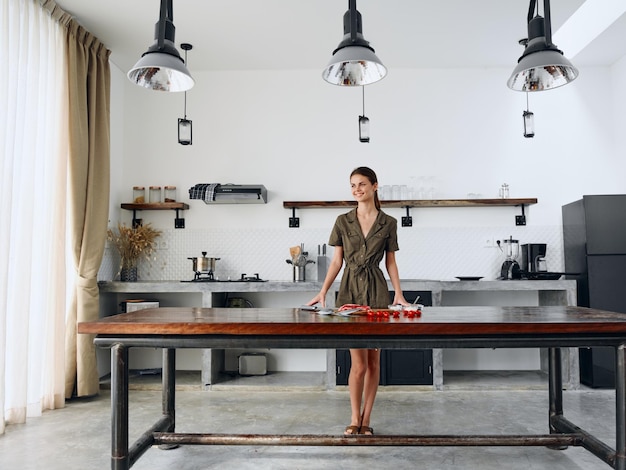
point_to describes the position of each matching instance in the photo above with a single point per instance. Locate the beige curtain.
(89, 169)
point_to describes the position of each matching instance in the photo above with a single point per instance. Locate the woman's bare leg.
(356, 383)
(372, 378)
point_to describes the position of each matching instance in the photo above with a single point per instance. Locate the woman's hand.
(319, 298)
(398, 299)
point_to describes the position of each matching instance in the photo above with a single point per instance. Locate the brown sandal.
(351, 430)
(366, 431)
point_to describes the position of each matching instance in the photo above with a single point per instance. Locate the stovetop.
(199, 277)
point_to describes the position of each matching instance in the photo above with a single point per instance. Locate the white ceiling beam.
(586, 24)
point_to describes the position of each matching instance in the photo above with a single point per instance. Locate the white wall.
(297, 135)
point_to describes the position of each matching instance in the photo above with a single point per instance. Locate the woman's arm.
(392, 270)
(334, 267)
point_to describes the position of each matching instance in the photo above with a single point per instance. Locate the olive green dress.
(363, 281)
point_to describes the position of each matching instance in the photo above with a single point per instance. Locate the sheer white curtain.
(33, 189)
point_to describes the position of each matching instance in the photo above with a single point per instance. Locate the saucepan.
(203, 264)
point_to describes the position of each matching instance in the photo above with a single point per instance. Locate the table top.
(434, 321)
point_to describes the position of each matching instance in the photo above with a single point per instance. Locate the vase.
(128, 274)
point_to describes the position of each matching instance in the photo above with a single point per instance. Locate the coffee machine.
(534, 258)
(510, 268)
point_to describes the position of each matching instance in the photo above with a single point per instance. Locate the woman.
(361, 238)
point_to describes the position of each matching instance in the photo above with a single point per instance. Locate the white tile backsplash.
(425, 252)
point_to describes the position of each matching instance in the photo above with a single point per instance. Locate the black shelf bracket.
(136, 222)
(179, 222)
(520, 219)
(408, 220)
(294, 222)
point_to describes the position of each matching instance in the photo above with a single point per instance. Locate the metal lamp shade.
(161, 71)
(542, 66)
(354, 66)
(542, 70)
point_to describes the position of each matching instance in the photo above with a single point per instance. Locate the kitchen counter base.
(204, 294)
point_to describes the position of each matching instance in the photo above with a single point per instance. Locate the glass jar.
(155, 194)
(170, 194)
(139, 195)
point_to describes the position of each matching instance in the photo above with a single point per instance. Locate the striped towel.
(209, 196)
(203, 191)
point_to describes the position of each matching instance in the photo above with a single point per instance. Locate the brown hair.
(371, 176)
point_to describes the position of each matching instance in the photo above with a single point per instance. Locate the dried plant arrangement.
(133, 243)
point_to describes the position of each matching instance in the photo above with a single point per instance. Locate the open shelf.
(407, 221)
(179, 222)
(154, 206)
(416, 203)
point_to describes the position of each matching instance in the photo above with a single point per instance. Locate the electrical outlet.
(490, 242)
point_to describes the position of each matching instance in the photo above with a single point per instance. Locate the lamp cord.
(527, 101)
(363, 87)
(185, 90)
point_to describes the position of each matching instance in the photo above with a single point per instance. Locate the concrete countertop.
(312, 286)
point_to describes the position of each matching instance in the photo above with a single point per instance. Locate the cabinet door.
(605, 221)
(407, 367)
(343, 367)
(397, 367)
(597, 367)
(607, 278)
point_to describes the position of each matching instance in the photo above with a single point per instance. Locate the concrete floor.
(78, 436)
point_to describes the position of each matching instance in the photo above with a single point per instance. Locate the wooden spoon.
(294, 251)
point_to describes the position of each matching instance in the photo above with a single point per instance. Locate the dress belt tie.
(359, 268)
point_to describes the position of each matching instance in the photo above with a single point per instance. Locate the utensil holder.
(299, 273)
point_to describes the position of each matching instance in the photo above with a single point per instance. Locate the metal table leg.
(119, 407)
(555, 384)
(620, 407)
(169, 393)
(166, 422)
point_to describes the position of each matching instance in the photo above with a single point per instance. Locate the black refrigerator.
(594, 241)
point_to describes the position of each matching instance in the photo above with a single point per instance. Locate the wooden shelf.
(294, 222)
(415, 203)
(155, 206)
(179, 222)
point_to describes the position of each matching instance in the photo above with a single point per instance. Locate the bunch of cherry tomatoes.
(382, 314)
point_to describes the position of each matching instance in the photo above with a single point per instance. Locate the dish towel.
(203, 191)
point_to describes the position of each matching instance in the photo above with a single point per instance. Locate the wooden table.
(438, 327)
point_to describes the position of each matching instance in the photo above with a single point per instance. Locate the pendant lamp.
(542, 66)
(529, 121)
(184, 124)
(161, 67)
(354, 62)
(364, 124)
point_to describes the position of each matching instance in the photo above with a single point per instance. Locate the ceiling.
(301, 34)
